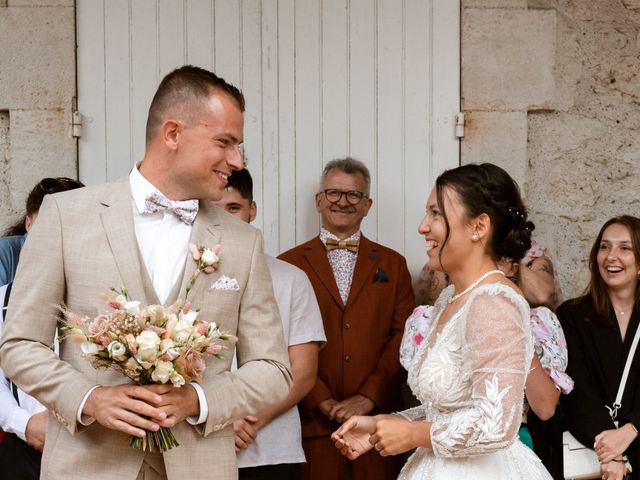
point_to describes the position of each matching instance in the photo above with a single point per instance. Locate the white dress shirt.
(13, 416)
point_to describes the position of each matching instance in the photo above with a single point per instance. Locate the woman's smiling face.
(617, 263)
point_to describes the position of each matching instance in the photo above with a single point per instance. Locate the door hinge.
(76, 124)
(460, 125)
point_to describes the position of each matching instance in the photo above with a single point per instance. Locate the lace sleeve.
(497, 351)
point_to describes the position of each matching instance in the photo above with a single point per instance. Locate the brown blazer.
(363, 336)
(84, 243)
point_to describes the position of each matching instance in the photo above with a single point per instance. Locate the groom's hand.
(126, 408)
(177, 403)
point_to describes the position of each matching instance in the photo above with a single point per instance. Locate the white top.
(280, 441)
(13, 416)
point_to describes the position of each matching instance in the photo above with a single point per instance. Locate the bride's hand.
(352, 438)
(395, 435)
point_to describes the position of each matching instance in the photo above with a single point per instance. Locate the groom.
(134, 233)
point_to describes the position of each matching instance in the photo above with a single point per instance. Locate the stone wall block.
(495, 3)
(34, 155)
(41, 3)
(6, 210)
(508, 59)
(497, 137)
(37, 58)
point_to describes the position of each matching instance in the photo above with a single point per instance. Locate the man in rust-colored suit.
(365, 296)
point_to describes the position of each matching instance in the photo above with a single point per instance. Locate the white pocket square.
(225, 283)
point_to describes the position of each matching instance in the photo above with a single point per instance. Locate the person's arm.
(304, 367)
(537, 283)
(496, 349)
(429, 285)
(542, 394)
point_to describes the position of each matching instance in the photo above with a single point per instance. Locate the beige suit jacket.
(82, 245)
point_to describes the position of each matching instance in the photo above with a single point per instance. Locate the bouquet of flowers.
(152, 344)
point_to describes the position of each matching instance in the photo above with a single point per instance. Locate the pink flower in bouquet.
(132, 345)
(214, 349)
(190, 365)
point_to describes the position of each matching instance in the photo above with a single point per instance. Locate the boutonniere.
(207, 259)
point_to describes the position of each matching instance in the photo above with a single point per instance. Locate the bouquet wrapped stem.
(159, 441)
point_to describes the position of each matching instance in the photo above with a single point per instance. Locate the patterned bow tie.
(185, 210)
(351, 245)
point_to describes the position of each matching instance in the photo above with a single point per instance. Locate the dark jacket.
(597, 356)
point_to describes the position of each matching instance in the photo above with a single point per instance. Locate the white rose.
(132, 307)
(188, 317)
(148, 342)
(163, 371)
(209, 257)
(168, 348)
(183, 331)
(121, 299)
(177, 380)
(116, 350)
(89, 348)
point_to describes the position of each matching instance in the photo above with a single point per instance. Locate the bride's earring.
(475, 237)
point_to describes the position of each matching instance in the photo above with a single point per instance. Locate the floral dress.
(469, 378)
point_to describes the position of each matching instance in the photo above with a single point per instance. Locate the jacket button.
(347, 326)
(347, 358)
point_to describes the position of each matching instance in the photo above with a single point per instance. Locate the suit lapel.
(206, 232)
(363, 272)
(117, 221)
(316, 255)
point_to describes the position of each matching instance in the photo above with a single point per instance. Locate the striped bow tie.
(351, 245)
(185, 210)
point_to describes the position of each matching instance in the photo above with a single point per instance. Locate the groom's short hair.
(183, 92)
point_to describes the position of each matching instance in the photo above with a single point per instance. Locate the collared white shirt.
(342, 261)
(162, 237)
(13, 416)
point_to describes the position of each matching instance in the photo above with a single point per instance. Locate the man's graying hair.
(347, 165)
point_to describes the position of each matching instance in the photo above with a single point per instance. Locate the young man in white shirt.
(269, 444)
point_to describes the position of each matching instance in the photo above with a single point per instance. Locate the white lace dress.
(469, 378)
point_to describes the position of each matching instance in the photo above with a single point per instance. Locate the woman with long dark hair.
(469, 372)
(599, 327)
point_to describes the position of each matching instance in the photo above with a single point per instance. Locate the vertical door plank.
(270, 188)
(227, 32)
(362, 97)
(199, 32)
(144, 69)
(390, 128)
(308, 115)
(417, 134)
(117, 77)
(171, 45)
(251, 61)
(286, 123)
(92, 152)
(335, 80)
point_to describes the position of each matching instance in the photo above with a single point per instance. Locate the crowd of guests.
(498, 363)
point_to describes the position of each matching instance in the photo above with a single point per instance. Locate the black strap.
(7, 294)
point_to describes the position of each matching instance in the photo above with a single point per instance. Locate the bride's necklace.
(473, 285)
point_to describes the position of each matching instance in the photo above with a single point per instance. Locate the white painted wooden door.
(374, 79)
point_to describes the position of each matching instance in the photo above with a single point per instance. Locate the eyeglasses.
(58, 184)
(353, 196)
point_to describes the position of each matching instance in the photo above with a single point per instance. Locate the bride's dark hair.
(487, 188)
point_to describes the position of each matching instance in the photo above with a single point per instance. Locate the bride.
(470, 370)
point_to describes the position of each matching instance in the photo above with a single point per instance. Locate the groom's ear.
(170, 132)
